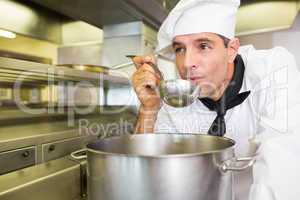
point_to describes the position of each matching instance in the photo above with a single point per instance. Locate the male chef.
(251, 96)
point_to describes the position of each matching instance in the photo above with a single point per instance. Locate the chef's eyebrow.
(177, 43)
(205, 40)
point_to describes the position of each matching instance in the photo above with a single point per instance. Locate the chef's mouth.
(196, 79)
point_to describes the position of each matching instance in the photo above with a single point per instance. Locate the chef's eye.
(204, 46)
(179, 50)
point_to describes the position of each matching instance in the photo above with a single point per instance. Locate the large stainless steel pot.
(162, 167)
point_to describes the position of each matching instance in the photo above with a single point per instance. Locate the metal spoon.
(177, 92)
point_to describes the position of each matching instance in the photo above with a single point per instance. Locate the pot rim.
(104, 153)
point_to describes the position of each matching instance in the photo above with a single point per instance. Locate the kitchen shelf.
(37, 73)
(14, 115)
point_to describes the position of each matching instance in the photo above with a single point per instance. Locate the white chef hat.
(197, 16)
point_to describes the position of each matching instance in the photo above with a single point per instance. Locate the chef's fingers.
(150, 59)
(147, 67)
(145, 77)
(140, 60)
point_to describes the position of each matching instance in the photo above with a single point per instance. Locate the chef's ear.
(233, 48)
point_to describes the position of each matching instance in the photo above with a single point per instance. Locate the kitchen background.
(42, 122)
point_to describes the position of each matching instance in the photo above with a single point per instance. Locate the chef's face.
(204, 59)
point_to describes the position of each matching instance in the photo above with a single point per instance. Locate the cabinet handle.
(25, 154)
(51, 148)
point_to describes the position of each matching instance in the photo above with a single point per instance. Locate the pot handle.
(229, 165)
(80, 156)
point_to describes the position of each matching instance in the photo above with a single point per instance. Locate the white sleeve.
(276, 171)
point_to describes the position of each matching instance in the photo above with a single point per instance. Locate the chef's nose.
(190, 61)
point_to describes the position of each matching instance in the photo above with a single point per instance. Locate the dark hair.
(225, 40)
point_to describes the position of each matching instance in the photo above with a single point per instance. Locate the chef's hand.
(145, 82)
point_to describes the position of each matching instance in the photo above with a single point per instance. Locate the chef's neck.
(220, 91)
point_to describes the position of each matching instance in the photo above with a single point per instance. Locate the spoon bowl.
(178, 92)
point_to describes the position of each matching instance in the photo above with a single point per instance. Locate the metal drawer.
(59, 149)
(17, 159)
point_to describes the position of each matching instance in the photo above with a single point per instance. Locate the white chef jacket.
(269, 111)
